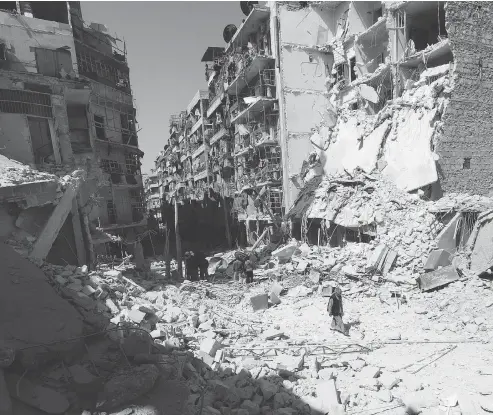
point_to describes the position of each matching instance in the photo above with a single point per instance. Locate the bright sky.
(165, 43)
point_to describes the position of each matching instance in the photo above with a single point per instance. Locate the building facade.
(66, 104)
(304, 89)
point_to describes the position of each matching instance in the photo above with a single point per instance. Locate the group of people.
(196, 266)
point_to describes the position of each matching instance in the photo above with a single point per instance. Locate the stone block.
(210, 346)
(260, 302)
(88, 290)
(136, 316)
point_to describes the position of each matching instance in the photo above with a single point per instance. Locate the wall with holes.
(22, 34)
(304, 70)
(465, 146)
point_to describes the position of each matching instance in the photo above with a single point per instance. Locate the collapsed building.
(66, 109)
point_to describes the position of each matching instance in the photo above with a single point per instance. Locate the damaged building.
(312, 89)
(66, 109)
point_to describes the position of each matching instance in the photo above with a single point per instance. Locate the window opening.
(40, 139)
(352, 63)
(110, 206)
(56, 63)
(467, 163)
(15, 101)
(99, 124)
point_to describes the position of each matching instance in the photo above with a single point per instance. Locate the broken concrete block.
(112, 306)
(210, 346)
(314, 276)
(127, 386)
(136, 316)
(251, 407)
(260, 302)
(60, 280)
(389, 262)
(285, 252)
(290, 363)
(326, 291)
(75, 287)
(438, 278)
(437, 258)
(272, 333)
(377, 257)
(302, 266)
(113, 273)
(327, 397)
(206, 358)
(88, 290)
(219, 356)
(268, 389)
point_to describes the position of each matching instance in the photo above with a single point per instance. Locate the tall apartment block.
(304, 89)
(66, 104)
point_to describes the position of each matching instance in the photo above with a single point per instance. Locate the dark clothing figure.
(249, 271)
(202, 264)
(191, 266)
(238, 269)
(334, 307)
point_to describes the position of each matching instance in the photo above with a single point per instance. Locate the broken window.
(79, 128)
(53, 62)
(129, 135)
(341, 70)
(16, 101)
(40, 139)
(137, 202)
(99, 124)
(110, 206)
(55, 11)
(467, 163)
(426, 24)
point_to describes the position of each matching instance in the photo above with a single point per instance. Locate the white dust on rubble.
(217, 323)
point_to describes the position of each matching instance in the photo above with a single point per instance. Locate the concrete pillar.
(52, 227)
(79, 238)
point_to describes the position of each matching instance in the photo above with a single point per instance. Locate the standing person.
(238, 268)
(249, 271)
(191, 267)
(334, 307)
(202, 264)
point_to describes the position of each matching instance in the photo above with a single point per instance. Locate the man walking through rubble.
(238, 268)
(191, 266)
(249, 271)
(202, 265)
(334, 307)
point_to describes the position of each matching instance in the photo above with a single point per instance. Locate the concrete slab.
(32, 312)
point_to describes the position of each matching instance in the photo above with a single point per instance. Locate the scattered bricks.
(260, 302)
(437, 258)
(136, 316)
(60, 280)
(88, 290)
(112, 306)
(210, 346)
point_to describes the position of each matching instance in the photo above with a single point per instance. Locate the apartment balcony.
(196, 126)
(217, 136)
(255, 105)
(123, 180)
(247, 75)
(200, 150)
(251, 25)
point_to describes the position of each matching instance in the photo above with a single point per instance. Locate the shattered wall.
(303, 69)
(23, 36)
(468, 122)
(15, 137)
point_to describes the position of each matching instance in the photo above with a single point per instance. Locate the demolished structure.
(66, 106)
